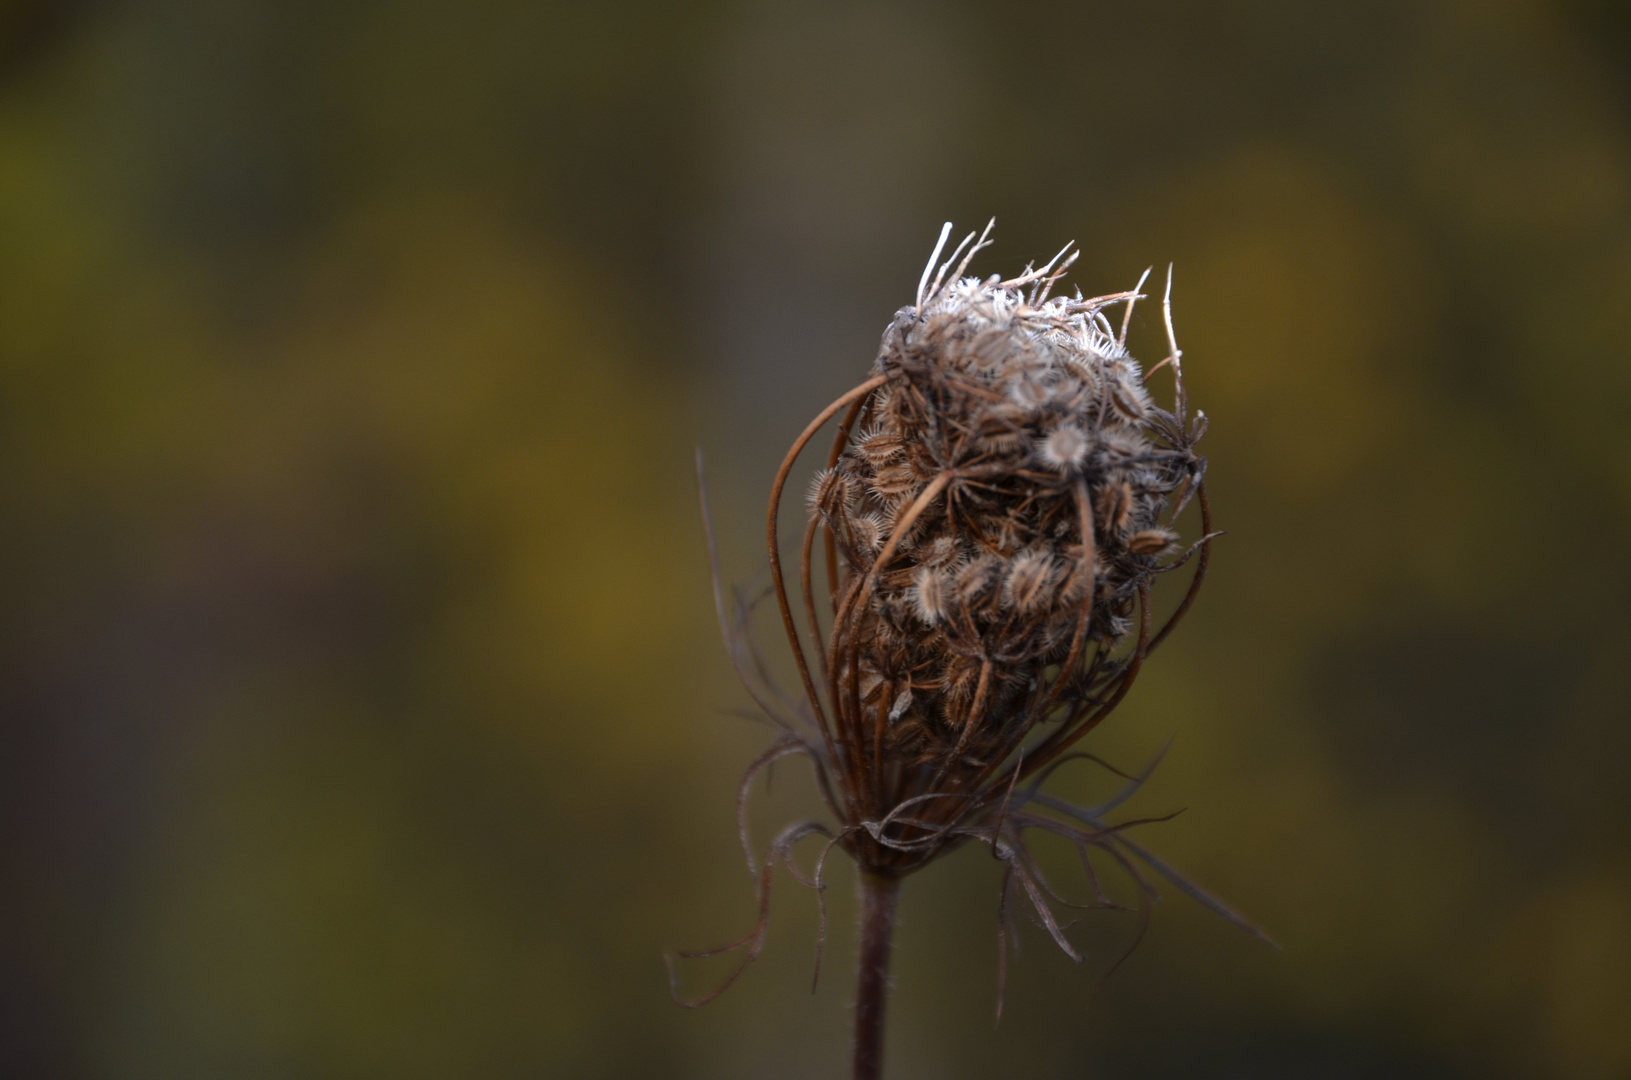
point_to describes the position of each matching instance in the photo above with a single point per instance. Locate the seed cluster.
(998, 504)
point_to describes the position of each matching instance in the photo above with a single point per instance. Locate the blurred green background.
(361, 711)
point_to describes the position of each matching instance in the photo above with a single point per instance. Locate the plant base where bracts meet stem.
(879, 899)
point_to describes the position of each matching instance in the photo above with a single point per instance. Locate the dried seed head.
(1006, 456)
(1007, 422)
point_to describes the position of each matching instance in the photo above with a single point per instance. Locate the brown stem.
(879, 898)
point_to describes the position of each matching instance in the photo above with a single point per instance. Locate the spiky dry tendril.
(991, 516)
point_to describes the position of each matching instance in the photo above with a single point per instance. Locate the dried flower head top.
(997, 505)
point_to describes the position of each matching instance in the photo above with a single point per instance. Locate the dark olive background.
(361, 712)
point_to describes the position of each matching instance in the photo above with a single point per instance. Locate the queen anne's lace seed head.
(993, 514)
(1033, 419)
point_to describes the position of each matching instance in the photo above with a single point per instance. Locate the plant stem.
(879, 898)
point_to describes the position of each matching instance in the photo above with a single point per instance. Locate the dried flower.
(992, 515)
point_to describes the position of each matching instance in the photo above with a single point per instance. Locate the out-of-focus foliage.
(360, 709)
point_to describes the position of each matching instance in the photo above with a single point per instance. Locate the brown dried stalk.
(993, 515)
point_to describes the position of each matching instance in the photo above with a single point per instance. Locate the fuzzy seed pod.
(975, 579)
(867, 532)
(929, 595)
(1115, 503)
(878, 447)
(1064, 448)
(1026, 587)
